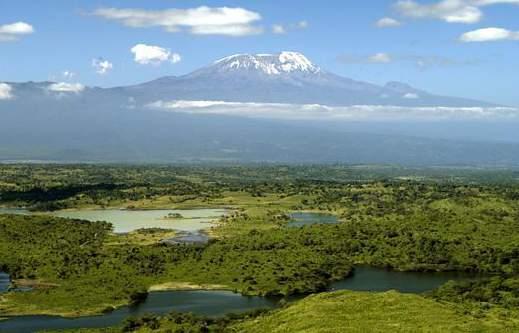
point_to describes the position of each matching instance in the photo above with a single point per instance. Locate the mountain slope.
(287, 77)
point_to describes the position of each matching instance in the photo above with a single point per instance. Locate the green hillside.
(347, 311)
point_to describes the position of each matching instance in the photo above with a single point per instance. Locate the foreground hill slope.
(348, 311)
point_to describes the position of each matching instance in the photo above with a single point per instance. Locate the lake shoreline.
(357, 274)
(188, 286)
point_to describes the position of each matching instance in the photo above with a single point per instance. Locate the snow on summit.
(271, 64)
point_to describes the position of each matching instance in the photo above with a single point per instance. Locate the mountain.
(287, 77)
(70, 122)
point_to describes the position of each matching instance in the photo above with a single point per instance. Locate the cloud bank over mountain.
(337, 113)
(5, 91)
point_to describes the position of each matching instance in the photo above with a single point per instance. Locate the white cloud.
(494, 2)
(323, 112)
(175, 57)
(201, 20)
(411, 96)
(489, 35)
(452, 11)
(154, 55)
(6, 91)
(65, 87)
(422, 62)
(380, 58)
(229, 30)
(102, 66)
(278, 29)
(302, 24)
(13, 31)
(388, 22)
(68, 74)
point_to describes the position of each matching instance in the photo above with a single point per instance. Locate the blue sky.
(466, 48)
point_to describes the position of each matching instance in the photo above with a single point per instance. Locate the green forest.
(420, 220)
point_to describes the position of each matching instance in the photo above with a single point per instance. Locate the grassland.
(347, 311)
(141, 237)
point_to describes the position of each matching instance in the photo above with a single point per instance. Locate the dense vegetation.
(50, 187)
(482, 294)
(89, 276)
(435, 220)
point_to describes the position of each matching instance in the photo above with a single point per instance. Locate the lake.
(125, 221)
(367, 278)
(217, 303)
(209, 303)
(4, 282)
(300, 219)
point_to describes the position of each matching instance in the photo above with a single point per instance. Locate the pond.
(367, 278)
(184, 237)
(5, 282)
(191, 220)
(216, 303)
(300, 219)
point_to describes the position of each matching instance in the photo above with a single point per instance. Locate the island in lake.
(174, 216)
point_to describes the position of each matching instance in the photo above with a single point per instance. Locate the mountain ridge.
(285, 77)
(288, 77)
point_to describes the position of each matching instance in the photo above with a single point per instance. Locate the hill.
(348, 311)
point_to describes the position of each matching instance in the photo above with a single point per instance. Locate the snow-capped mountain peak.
(271, 64)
